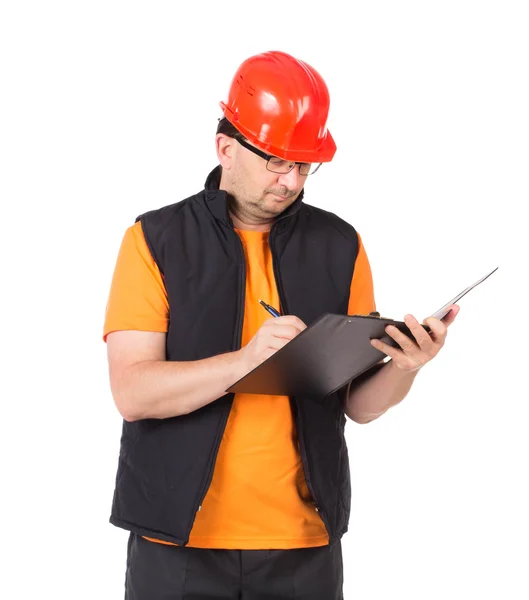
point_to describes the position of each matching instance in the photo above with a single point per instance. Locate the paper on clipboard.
(442, 312)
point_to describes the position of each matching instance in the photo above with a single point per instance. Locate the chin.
(281, 201)
(276, 208)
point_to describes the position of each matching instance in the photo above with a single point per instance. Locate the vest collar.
(217, 201)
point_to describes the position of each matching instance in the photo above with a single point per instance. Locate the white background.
(108, 109)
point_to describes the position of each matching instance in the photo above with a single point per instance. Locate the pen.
(270, 309)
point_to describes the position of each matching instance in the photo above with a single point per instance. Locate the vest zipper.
(304, 460)
(302, 448)
(237, 345)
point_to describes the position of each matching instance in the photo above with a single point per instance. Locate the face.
(259, 194)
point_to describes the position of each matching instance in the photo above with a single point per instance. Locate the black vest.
(166, 465)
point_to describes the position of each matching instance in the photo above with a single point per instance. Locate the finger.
(399, 358)
(283, 331)
(296, 325)
(451, 316)
(276, 343)
(422, 338)
(291, 320)
(392, 352)
(408, 346)
(438, 330)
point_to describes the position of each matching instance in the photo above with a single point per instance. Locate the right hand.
(271, 337)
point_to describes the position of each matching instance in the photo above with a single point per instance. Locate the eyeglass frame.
(267, 157)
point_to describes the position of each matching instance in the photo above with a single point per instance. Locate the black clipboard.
(332, 351)
(328, 354)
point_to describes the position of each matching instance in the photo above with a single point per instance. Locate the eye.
(278, 162)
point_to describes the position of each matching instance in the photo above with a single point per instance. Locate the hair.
(228, 129)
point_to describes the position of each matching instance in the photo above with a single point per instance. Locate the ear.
(225, 147)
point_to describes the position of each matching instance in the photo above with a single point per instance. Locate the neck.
(245, 222)
(241, 219)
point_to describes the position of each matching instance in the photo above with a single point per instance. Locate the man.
(243, 496)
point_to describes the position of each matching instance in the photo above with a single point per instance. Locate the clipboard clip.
(376, 315)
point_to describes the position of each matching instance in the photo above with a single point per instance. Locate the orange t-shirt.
(258, 497)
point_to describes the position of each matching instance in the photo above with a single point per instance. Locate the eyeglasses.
(278, 165)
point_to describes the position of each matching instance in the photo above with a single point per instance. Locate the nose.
(292, 179)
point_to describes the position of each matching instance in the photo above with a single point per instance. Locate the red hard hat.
(280, 104)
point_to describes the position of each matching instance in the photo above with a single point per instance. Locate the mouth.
(281, 198)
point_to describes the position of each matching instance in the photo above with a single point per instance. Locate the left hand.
(414, 354)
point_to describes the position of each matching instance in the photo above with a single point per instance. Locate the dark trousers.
(160, 572)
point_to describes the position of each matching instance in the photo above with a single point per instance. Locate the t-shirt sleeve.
(362, 297)
(137, 299)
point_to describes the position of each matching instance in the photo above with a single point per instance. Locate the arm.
(145, 385)
(371, 397)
